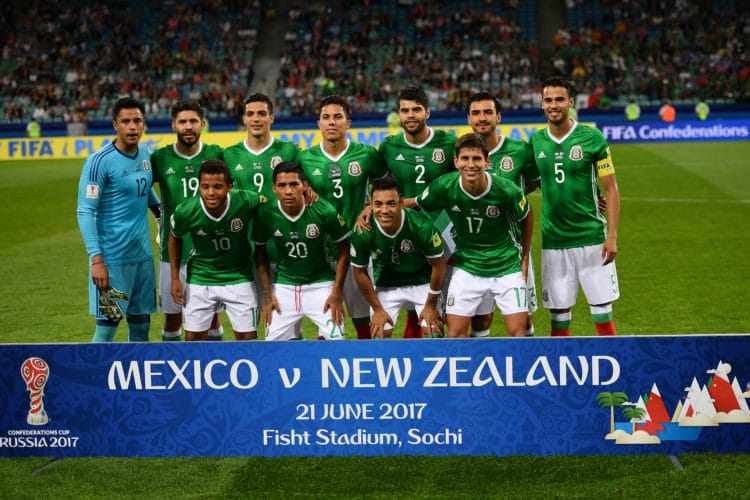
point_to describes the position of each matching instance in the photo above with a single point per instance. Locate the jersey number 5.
(559, 173)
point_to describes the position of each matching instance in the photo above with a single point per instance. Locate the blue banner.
(679, 131)
(539, 396)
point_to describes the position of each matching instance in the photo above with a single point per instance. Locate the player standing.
(253, 159)
(513, 160)
(416, 157)
(176, 171)
(219, 271)
(578, 244)
(489, 258)
(408, 261)
(305, 284)
(114, 192)
(340, 171)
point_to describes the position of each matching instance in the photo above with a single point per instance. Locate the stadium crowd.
(70, 60)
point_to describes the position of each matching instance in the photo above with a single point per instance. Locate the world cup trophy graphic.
(35, 373)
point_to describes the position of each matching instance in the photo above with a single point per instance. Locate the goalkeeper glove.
(107, 305)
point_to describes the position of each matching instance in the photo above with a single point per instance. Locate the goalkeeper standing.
(114, 192)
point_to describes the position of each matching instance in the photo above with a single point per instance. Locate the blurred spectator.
(33, 129)
(667, 112)
(632, 111)
(702, 110)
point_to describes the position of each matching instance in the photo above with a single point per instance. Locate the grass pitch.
(682, 265)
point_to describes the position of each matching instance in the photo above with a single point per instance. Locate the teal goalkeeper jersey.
(177, 176)
(486, 241)
(301, 240)
(222, 254)
(113, 197)
(399, 259)
(415, 166)
(569, 169)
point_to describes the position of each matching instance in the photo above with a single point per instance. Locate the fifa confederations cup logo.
(35, 373)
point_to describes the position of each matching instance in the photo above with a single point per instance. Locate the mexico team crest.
(438, 155)
(576, 153)
(312, 231)
(354, 168)
(407, 246)
(146, 165)
(506, 164)
(492, 211)
(236, 225)
(275, 161)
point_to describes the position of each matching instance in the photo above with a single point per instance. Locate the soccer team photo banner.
(538, 396)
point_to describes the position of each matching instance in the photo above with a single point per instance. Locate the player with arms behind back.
(176, 171)
(340, 171)
(578, 244)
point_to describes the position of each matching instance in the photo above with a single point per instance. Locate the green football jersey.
(569, 168)
(399, 259)
(415, 166)
(486, 240)
(513, 159)
(301, 240)
(177, 176)
(344, 181)
(254, 171)
(222, 254)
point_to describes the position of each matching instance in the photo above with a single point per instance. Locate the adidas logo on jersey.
(170, 170)
(277, 234)
(541, 155)
(400, 157)
(200, 232)
(238, 167)
(317, 172)
(455, 208)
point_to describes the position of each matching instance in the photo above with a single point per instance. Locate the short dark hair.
(472, 140)
(127, 103)
(484, 96)
(413, 93)
(385, 184)
(212, 167)
(335, 99)
(289, 167)
(560, 81)
(187, 105)
(258, 97)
